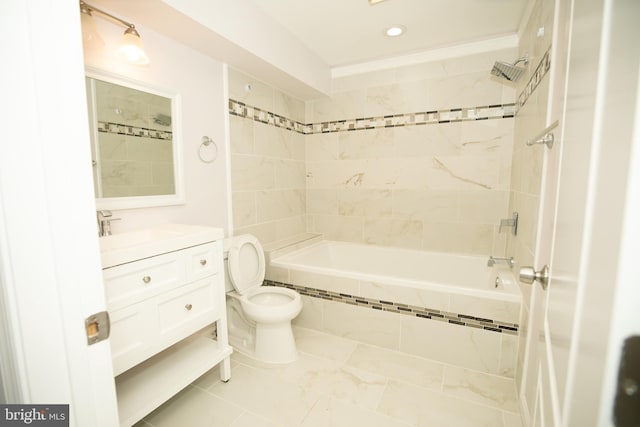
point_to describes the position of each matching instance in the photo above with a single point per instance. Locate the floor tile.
(326, 377)
(512, 420)
(490, 390)
(333, 379)
(422, 407)
(212, 376)
(323, 345)
(269, 397)
(398, 366)
(329, 412)
(250, 420)
(341, 382)
(194, 407)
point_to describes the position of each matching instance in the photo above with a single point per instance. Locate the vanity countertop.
(126, 247)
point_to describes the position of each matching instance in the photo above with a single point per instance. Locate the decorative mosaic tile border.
(405, 309)
(241, 109)
(500, 111)
(120, 129)
(541, 70)
(484, 112)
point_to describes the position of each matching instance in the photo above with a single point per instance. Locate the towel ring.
(208, 150)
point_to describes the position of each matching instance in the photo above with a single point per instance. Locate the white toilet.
(259, 317)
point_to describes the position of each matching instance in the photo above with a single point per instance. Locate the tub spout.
(508, 261)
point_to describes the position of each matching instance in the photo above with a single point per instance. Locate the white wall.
(201, 82)
(50, 277)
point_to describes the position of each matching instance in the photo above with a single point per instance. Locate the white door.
(50, 276)
(583, 201)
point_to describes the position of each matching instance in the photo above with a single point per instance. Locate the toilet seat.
(246, 251)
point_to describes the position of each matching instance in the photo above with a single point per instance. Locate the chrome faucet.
(509, 261)
(104, 223)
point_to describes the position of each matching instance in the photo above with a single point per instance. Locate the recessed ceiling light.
(372, 2)
(395, 31)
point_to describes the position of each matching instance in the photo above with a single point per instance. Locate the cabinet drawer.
(129, 283)
(202, 261)
(182, 311)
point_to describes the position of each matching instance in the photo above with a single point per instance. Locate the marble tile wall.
(267, 164)
(465, 314)
(417, 157)
(477, 349)
(439, 186)
(527, 163)
(134, 146)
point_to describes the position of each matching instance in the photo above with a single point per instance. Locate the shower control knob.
(528, 275)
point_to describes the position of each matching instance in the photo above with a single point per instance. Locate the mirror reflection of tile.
(134, 141)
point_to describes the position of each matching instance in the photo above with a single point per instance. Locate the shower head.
(162, 119)
(508, 71)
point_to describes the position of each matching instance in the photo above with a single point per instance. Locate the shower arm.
(524, 59)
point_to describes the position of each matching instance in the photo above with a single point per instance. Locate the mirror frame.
(133, 202)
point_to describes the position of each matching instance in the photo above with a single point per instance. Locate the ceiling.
(346, 32)
(300, 46)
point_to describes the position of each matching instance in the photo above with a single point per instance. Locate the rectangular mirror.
(135, 143)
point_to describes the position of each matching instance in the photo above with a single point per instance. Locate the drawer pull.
(203, 262)
(146, 279)
(188, 307)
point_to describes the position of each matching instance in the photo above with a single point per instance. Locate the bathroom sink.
(134, 245)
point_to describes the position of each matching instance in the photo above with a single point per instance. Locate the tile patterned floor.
(339, 382)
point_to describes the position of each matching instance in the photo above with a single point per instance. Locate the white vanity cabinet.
(158, 306)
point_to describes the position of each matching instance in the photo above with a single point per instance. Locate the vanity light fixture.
(130, 44)
(90, 37)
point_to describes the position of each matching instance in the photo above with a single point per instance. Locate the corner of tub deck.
(282, 247)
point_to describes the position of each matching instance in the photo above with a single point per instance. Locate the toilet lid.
(246, 263)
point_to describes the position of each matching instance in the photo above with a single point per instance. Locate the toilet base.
(268, 342)
(275, 343)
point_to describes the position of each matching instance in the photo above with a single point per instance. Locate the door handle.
(528, 275)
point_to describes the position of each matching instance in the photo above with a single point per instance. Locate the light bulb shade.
(90, 37)
(131, 47)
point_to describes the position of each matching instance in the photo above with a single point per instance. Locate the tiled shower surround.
(526, 170)
(418, 157)
(403, 180)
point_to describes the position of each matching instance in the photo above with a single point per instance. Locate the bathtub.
(445, 273)
(415, 298)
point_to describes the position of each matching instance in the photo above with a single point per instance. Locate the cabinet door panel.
(132, 333)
